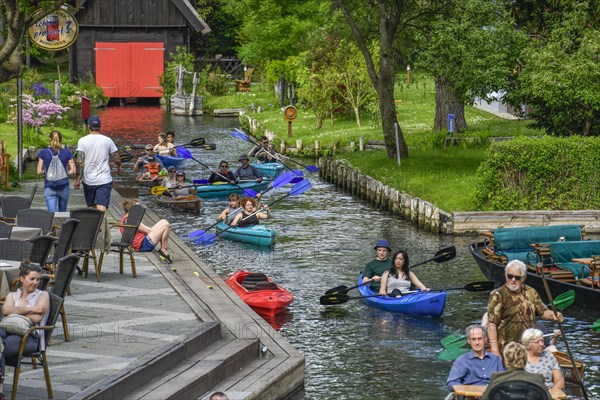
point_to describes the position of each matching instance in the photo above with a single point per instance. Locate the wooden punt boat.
(225, 189)
(269, 170)
(260, 292)
(567, 367)
(149, 182)
(494, 271)
(423, 304)
(258, 235)
(187, 203)
(170, 161)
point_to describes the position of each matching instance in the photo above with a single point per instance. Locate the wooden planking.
(131, 12)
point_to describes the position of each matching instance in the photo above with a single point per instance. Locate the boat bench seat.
(561, 254)
(515, 243)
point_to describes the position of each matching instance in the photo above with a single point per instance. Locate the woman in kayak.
(248, 216)
(164, 148)
(229, 213)
(399, 278)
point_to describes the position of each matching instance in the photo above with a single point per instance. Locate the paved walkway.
(112, 322)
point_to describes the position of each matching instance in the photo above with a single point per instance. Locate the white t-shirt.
(97, 149)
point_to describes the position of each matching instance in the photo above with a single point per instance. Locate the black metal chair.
(36, 218)
(33, 190)
(15, 250)
(65, 270)
(134, 219)
(63, 245)
(11, 206)
(41, 249)
(86, 233)
(5, 230)
(39, 355)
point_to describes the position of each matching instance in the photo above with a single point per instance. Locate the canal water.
(324, 239)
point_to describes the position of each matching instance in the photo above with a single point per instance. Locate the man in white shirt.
(94, 152)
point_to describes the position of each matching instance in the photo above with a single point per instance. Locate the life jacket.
(152, 169)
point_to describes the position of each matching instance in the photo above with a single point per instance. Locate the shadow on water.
(324, 238)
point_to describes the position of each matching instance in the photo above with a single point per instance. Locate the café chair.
(63, 245)
(11, 205)
(136, 214)
(42, 245)
(39, 354)
(36, 218)
(15, 250)
(59, 284)
(5, 230)
(518, 390)
(85, 236)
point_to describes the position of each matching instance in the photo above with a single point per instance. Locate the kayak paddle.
(564, 300)
(241, 135)
(185, 153)
(296, 190)
(343, 298)
(441, 256)
(452, 353)
(158, 190)
(280, 181)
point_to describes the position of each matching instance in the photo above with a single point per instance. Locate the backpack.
(56, 175)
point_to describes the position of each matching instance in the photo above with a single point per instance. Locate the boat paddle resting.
(169, 161)
(225, 189)
(188, 203)
(260, 292)
(420, 303)
(270, 170)
(256, 234)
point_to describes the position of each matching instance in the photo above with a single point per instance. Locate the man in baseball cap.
(94, 122)
(375, 269)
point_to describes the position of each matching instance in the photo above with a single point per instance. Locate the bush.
(540, 174)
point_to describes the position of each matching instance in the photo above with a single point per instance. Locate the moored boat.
(421, 303)
(260, 292)
(169, 161)
(188, 203)
(257, 234)
(225, 189)
(566, 365)
(270, 170)
(494, 271)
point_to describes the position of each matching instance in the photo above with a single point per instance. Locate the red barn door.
(129, 69)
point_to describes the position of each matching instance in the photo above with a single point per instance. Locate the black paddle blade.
(484, 286)
(333, 299)
(446, 254)
(197, 142)
(337, 290)
(126, 157)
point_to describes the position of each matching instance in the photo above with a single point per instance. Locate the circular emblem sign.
(56, 31)
(289, 113)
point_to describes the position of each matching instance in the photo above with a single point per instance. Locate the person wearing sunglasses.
(260, 152)
(223, 174)
(513, 308)
(270, 155)
(139, 164)
(170, 182)
(181, 189)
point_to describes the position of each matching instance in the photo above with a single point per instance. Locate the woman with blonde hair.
(540, 360)
(53, 162)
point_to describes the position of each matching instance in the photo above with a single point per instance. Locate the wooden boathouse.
(124, 44)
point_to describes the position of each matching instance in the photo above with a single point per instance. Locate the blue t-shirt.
(469, 369)
(64, 156)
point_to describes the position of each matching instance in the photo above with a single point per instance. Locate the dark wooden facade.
(166, 21)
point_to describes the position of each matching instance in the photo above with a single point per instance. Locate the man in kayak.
(139, 164)
(374, 269)
(476, 366)
(247, 172)
(513, 307)
(260, 152)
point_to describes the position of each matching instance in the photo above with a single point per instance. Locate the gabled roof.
(188, 12)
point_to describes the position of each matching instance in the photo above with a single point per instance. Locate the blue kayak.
(423, 304)
(225, 189)
(270, 170)
(257, 234)
(169, 161)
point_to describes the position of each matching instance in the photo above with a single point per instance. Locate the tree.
(222, 39)
(560, 71)
(471, 51)
(392, 24)
(16, 16)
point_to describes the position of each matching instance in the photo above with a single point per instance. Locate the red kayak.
(260, 292)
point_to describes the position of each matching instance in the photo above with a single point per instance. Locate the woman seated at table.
(399, 278)
(515, 358)
(249, 216)
(30, 302)
(148, 237)
(540, 360)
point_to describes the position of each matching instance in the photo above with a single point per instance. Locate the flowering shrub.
(39, 90)
(37, 113)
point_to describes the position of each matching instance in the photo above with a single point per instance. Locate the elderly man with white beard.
(513, 307)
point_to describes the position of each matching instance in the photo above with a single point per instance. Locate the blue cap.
(94, 122)
(383, 243)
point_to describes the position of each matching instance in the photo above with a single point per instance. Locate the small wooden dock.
(227, 112)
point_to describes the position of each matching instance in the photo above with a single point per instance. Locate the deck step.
(198, 374)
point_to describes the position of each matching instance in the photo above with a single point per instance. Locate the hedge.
(546, 173)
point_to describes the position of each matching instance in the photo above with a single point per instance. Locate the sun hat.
(94, 122)
(171, 168)
(243, 157)
(383, 243)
